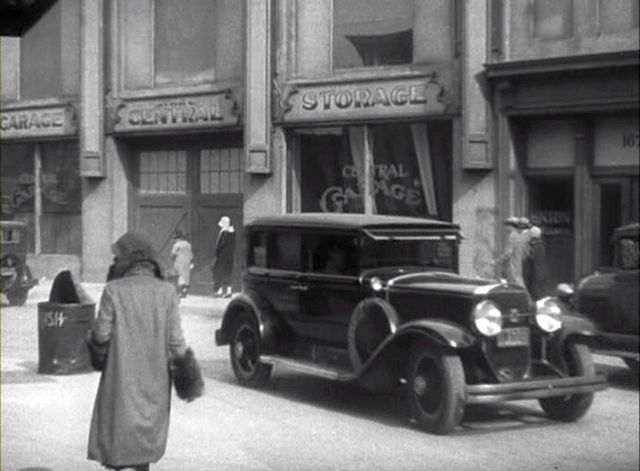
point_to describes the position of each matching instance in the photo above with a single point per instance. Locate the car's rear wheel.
(245, 351)
(578, 361)
(18, 297)
(435, 389)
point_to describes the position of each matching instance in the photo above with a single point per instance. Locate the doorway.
(189, 186)
(616, 204)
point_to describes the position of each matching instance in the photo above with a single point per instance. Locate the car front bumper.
(534, 389)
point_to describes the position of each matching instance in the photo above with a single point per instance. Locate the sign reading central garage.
(363, 100)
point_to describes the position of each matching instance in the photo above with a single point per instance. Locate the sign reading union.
(379, 99)
(43, 122)
(177, 113)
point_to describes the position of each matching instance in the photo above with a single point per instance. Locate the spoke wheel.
(578, 361)
(245, 353)
(435, 390)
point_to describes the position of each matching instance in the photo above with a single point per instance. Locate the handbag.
(98, 352)
(186, 376)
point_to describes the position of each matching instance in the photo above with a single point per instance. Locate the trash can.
(63, 328)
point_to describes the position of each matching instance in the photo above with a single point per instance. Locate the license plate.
(514, 337)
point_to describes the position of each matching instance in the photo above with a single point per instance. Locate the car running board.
(310, 368)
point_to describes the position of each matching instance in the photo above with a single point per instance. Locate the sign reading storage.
(364, 100)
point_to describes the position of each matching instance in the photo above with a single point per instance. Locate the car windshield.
(436, 252)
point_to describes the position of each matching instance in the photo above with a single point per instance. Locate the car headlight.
(376, 284)
(548, 314)
(487, 318)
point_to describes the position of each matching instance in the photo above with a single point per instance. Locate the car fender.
(387, 364)
(575, 328)
(251, 303)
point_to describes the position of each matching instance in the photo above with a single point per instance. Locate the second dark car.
(377, 300)
(610, 297)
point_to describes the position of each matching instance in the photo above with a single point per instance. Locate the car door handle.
(298, 287)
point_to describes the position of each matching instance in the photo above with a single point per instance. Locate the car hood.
(416, 278)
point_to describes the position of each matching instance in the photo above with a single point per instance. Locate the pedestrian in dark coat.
(139, 318)
(223, 263)
(534, 266)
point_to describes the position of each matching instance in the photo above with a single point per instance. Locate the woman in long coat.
(223, 263)
(139, 316)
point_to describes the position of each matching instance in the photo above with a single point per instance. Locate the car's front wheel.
(245, 350)
(435, 389)
(578, 361)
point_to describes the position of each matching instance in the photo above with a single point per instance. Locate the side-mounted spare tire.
(372, 321)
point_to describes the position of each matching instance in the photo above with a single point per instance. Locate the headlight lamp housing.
(548, 314)
(487, 318)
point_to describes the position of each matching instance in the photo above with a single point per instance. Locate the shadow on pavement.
(619, 377)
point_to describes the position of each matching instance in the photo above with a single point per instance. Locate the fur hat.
(512, 221)
(523, 223)
(131, 248)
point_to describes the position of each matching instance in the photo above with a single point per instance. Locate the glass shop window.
(221, 171)
(370, 33)
(406, 168)
(163, 172)
(50, 53)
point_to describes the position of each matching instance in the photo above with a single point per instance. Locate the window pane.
(332, 170)
(163, 172)
(286, 253)
(412, 169)
(185, 41)
(372, 33)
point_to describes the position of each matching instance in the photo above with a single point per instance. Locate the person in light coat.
(182, 256)
(139, 317)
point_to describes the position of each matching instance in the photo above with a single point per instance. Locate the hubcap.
(420, 385)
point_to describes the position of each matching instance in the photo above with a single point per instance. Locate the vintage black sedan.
(377, 300)
(610, 298)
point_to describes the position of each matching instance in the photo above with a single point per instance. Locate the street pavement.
(45, 418)
(298, 422)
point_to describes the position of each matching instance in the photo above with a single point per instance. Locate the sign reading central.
(177, 113)
(373, 99)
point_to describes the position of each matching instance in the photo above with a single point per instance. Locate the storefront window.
(60, 189)
(406, 168)
(372, 33)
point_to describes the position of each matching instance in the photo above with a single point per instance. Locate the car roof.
(628, 230)
(351, 221)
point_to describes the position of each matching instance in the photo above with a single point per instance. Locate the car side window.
(284, 251)
(330, 254)
(258, 250)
